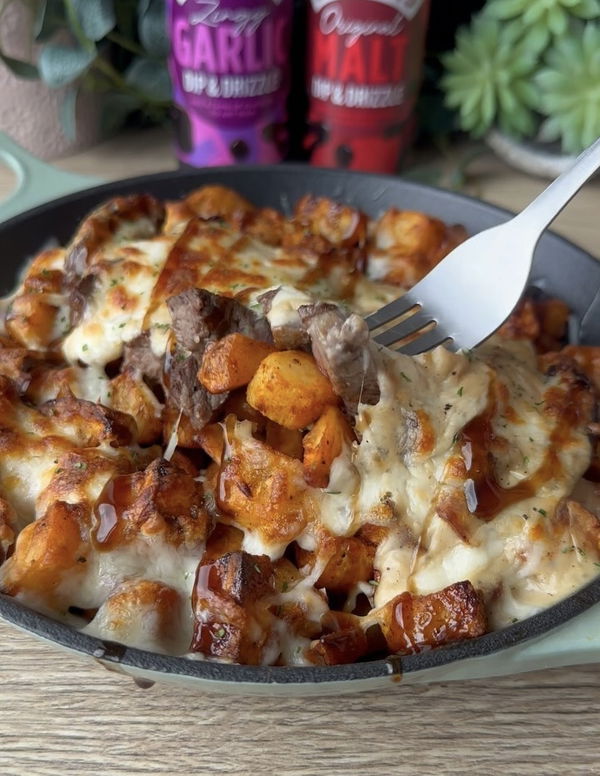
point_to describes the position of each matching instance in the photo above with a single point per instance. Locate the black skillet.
(560, 269)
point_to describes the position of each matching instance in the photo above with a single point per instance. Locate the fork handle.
(545, 207)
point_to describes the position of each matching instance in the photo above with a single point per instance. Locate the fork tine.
(427, 341)
(410, 325)
(390, 311)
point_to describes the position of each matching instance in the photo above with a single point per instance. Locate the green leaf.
(20, 68)
(152, 27)
(67, 113)
(49, 19)
(115, 110)
(97, 17)
(149, 77)
(61, 65)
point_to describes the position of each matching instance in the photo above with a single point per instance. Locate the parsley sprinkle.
(285, 586)
(597, 563)
(525, 460)
(162, 326)
(81, 465)
(122, 324)
(455, 438)
(333, 492)
(406, 377)
(84, 348)
(374, 582)
(531, 439)
(460, 390)
(220, 632)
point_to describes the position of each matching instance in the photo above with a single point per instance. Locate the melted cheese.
(409, 470)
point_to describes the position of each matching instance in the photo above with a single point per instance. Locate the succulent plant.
(542, 19)
(488, 78)
(531, 68)
(115, 47)
(569, 86)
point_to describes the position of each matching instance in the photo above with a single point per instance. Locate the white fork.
(473, 290)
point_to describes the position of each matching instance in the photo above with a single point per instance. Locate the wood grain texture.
(62, 715)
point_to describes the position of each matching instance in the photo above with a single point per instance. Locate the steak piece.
(340, 346)
(140, 359)
(199, 317)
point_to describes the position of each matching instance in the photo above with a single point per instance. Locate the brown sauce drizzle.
(486, 497)
(110, 507)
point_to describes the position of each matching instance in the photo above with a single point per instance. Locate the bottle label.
(365, 60)
(229, 65)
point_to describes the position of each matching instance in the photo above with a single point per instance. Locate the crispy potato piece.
(322, 445)
(523, 323)
(267, 225)
(8, 523)
(412, 622)
(339, 224)
(88, 424)
(45, 549)
(553, 315)
(587, 358)
(219, 202)
(145, 614)
(285, 440)
(137, 216)
(349, 560)
(212, 440)
(30, 320)
(160, 500)
(409, 244)
(132, 396)
(264, 491)
(224, 539)
(231, 362)
(289, 389)
(231, 618)
(345, 642)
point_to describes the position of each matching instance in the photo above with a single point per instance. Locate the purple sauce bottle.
(230, 67)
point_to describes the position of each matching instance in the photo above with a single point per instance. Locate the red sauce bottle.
(364, 70)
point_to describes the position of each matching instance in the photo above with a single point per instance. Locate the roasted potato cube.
(132, 396)
(322, 445)
(212, 440)
(412, 622)
(88, 424)
(339, 224)
(144, 614)
(264, 491)
(350, 560)
(237, 405)
(7, 530)
(160, 500)
(30, 321)
(345, 643)
(219, 202)
(587, 358)
(553, 315)
(231, 362)
(231, 617)
(45, 549)
(285, 440)
(290, 390)
(223, 540)
(523, 323)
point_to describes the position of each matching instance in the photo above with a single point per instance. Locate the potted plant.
(73, 70)
(525, 74)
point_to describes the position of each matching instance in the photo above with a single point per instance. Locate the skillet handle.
(37, 182)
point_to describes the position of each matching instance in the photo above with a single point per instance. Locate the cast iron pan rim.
(543, 622)
(537, 625)
(290, 167)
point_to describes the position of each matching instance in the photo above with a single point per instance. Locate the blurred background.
(381, 85)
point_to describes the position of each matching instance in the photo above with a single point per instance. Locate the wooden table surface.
(61, 715)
